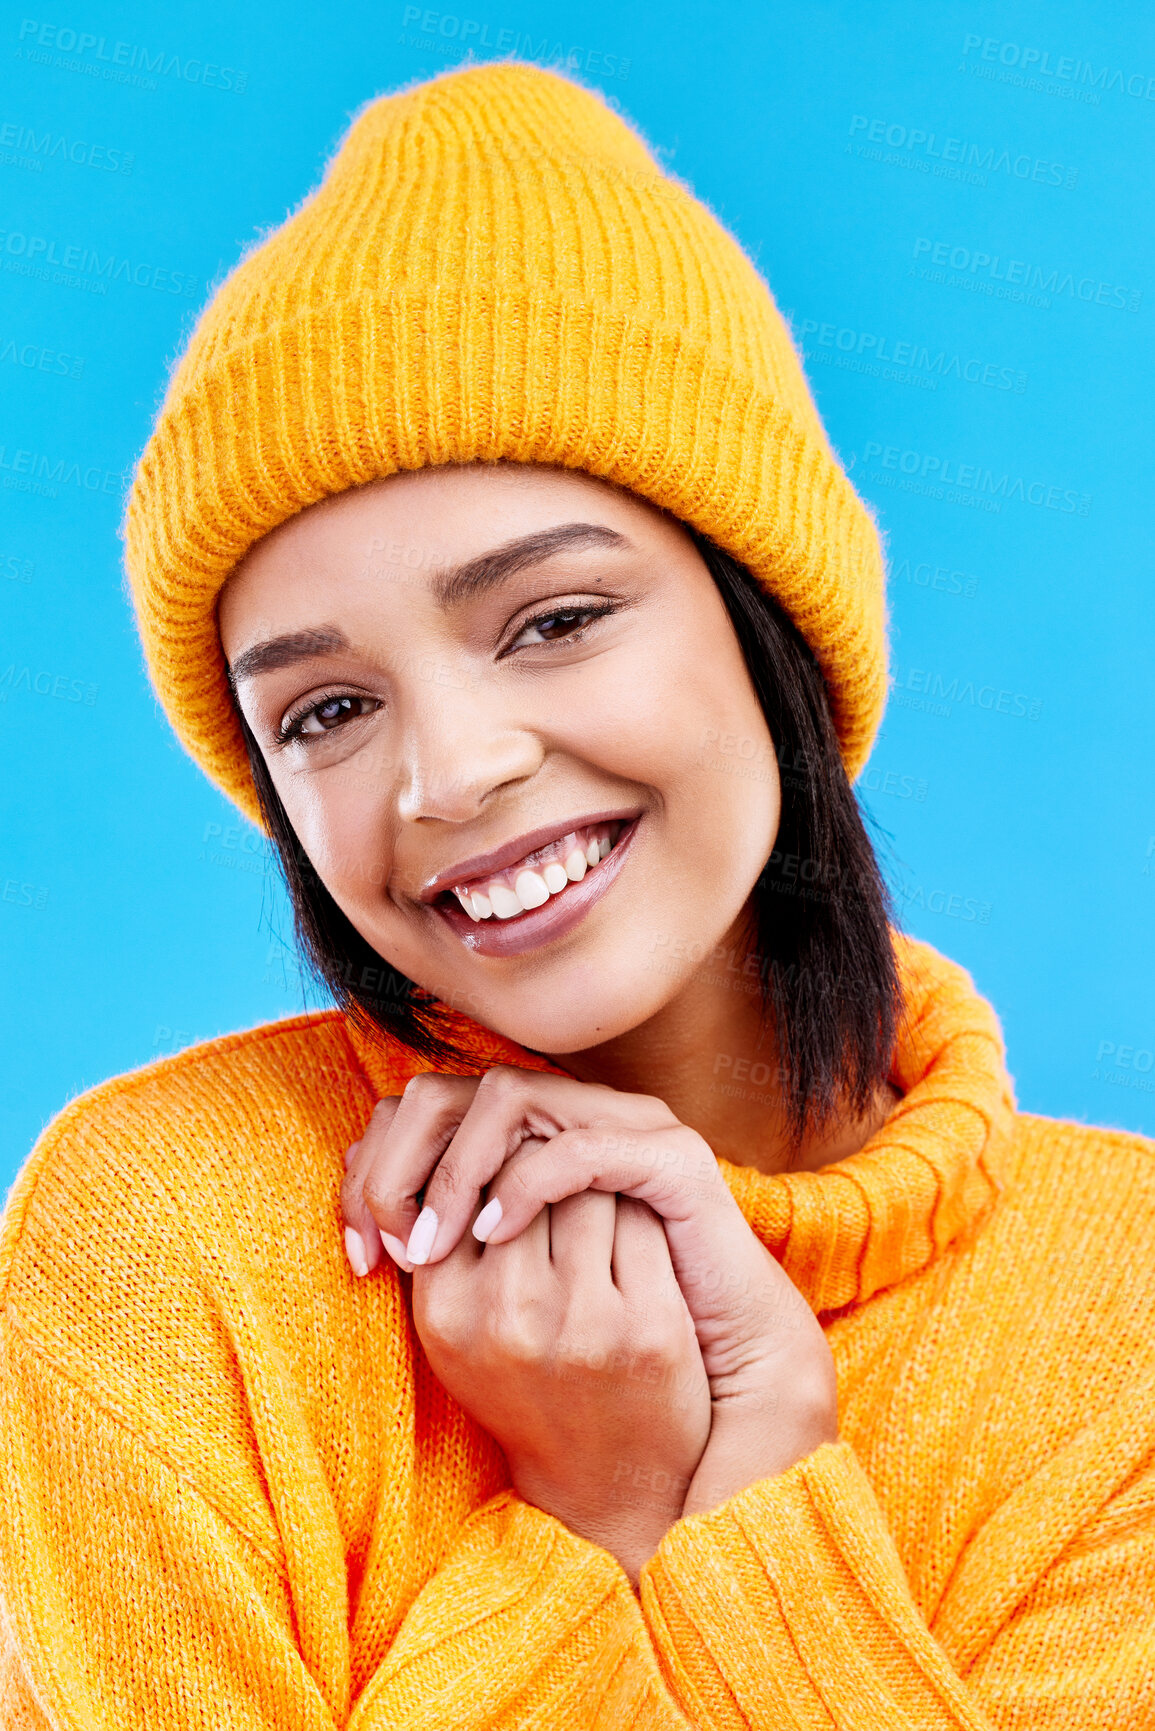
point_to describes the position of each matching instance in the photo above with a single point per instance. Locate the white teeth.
(505, 903)
(532, 889)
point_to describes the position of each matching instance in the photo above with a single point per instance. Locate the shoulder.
(1083, 1169)
(158, 1139)
(243, 1071)
(1074, 1229)
(171, 1262)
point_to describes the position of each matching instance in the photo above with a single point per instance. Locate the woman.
(639, 1302)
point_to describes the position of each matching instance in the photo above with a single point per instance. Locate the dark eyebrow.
(460, 582)
(451, 586)
(283, 651)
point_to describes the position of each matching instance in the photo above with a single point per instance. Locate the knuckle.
(648, 1337)
(439, 1323)
(352, 1192)
(444, 1188)
(518, 1184)
(517, 1332)
(584, 1144)
(583, 1352)
(431, 1084)
(503, 1079)
(381, 1199)
(448, 1180)
(586, 1336)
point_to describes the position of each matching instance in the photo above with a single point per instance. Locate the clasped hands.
(587, 1289)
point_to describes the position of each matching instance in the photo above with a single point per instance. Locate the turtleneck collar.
(926, 1178)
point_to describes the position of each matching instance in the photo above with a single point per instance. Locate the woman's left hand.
(771, 1374)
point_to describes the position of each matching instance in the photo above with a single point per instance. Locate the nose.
(459, 746)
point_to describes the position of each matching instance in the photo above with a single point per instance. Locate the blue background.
(137, 913)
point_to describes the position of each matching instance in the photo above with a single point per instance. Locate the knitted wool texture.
(236, 1497)
(494, 267)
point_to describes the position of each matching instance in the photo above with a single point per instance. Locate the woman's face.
(458, 667)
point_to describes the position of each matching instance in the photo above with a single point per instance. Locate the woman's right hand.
(572, 1345)
(528, 1142)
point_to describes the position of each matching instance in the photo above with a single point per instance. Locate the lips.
(546, 872)
(518, 851)
(535, 926)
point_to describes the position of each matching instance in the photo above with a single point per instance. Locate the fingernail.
(355, 1250)
(422, 1236)
(487, 1220)
(397, 1251)
(350, 1153)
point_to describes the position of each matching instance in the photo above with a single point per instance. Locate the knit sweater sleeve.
(130, 1600)
(788, 1606)
(524, 1625)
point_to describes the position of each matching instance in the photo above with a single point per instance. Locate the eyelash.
(590, 613)
(290, 729)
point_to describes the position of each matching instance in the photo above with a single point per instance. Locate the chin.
(561, 1030)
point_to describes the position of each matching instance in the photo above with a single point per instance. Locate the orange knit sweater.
(235, 1497)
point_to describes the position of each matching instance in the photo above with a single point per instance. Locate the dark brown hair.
(820, 938)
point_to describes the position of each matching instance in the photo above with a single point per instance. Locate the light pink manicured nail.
(397, 1251)
(487, 1220)
(355, 1250)
(351, 1154)
(422, 1236)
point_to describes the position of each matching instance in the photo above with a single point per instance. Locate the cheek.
(726, 782)
(681, 693)
(692, 716)
(685, 720)
(341, 828)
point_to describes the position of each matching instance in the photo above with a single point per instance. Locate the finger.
(720, 1265)
(512, 1277)
(448, 1291)
(528, 1253)
(644, 1275)
(364, 1244)
(671, 1169)
(508, 1105)
(516, 1283)
(581, 1238)
(640, 1260)
(465, 1255)
(400, 1146)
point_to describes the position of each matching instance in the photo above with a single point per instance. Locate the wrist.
(628, 1517)
(754, 1440)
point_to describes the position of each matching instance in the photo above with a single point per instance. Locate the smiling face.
(455, 668)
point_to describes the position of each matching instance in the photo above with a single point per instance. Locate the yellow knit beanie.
(494, 266)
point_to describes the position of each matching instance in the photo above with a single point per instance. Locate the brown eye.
(556, 624)
(559, 625)
(326, 716)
